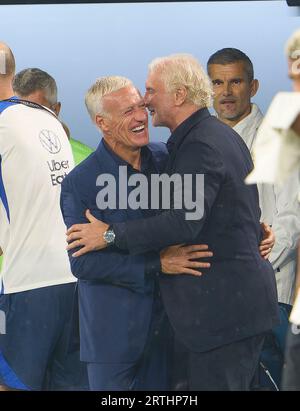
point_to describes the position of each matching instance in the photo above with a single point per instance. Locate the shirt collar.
(180, 132)
(248, 126)
(146, 157)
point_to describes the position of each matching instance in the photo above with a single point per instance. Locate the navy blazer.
(115, 293)
(236, 298)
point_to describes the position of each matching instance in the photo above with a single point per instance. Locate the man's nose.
(141, 115)
(227, 89)
(146, 99)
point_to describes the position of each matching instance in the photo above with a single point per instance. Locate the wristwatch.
(109, 236)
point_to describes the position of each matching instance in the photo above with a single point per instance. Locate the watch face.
(109, 236)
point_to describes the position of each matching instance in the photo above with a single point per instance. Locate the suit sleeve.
(172, 226)
(111, 266)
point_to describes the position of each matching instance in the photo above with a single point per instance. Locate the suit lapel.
(179, 135)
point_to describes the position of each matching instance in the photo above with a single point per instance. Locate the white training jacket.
(35, 156)
(280, 209)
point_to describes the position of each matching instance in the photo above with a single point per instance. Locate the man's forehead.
(123, 97)
(154, 77)
(236, 69)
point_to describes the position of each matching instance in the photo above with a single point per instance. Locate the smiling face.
(232, 91)
(125, 126)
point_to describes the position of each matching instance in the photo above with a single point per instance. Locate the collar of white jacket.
(276, 151)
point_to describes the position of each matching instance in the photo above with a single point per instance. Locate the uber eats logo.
(58, 170)
(2, 322)
(52, 144)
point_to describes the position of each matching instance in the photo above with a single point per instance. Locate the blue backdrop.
(78, 43)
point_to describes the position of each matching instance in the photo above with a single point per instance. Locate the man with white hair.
(219, 318)
(123, 328)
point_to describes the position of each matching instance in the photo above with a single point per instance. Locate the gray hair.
(9, 61)
(30, 80)
(102, 87)
(293, 45)
(184, 70)
(231, 55)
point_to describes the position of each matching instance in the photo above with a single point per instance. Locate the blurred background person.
(38, 289)
(291, 375)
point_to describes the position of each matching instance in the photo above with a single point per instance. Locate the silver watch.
(109, 236)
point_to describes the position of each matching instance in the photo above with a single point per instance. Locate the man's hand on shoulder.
(88, 236)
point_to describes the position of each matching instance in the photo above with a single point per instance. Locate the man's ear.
(180, 96)
(254, 87)
(56, 108)
(102, 123)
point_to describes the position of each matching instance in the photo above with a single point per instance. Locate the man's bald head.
(7, 61)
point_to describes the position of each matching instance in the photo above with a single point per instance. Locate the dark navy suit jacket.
(236, 298)
(115, 288)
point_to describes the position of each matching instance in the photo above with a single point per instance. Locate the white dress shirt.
(280, 209)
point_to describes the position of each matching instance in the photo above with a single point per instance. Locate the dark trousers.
(291, 369)
(112, 377)
(150, 372)
(231, 367)
(40, 350)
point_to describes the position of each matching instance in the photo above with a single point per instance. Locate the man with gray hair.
(123, 328)
(232, 75)
(38, 86)
(219, 325)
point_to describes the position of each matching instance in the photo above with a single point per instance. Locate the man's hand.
(179, 259)
(89, 236)
(267, 242)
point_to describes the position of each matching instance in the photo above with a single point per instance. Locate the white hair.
(184, 70)
(293, 45)
(102, 87)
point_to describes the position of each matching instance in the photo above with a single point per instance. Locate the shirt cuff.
(152, 263)
(120, 235)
